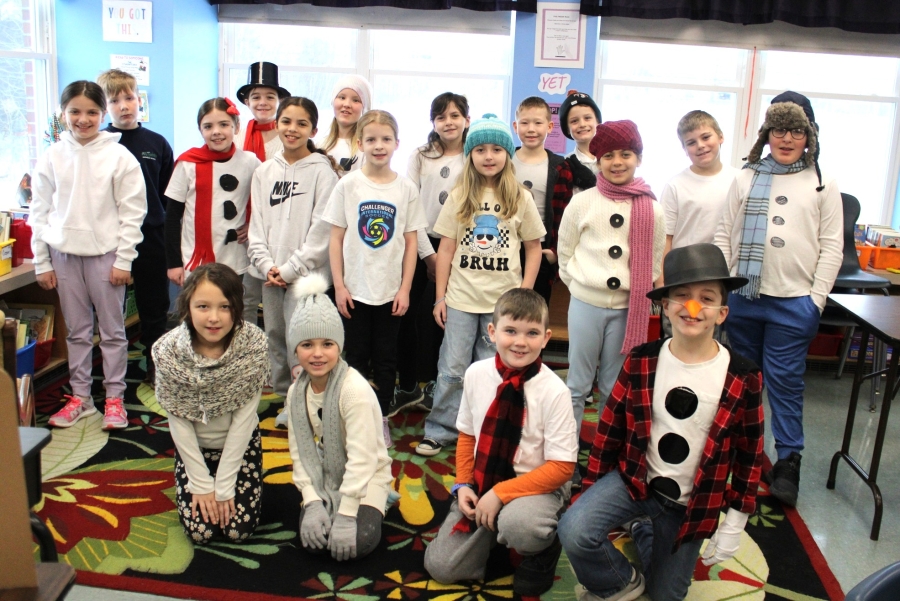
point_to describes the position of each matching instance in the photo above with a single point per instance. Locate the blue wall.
(184, 59)
(526, 76)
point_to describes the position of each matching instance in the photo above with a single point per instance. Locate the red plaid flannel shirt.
(559, 199)
(734, 445)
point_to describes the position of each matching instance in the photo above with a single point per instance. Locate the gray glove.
(314, 526)
(342, 542)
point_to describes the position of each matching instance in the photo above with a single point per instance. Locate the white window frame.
(749, 99)
(46, 87)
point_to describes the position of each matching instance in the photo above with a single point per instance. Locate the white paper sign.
(137, 66)
(554, 83)
(145, 107)
(127, 21)
(559, 36)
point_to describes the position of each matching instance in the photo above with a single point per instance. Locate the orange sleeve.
(540, 481)
(465, 459)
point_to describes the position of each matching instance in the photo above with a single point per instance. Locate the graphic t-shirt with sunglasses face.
(486, 261)
(230, 197)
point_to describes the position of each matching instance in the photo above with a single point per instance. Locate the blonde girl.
(434, 169)
(488, 216)
(351, 97)
(89, 204)
(374, 213)
(210, 375)
(210, 190)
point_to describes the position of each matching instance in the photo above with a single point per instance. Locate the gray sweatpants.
(278, 307)
(252, 297)
(527, 524)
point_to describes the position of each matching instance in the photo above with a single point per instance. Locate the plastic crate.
(6, 255)
(42, 353)
(130, 304)
(882, 258)
(825, 345)
(864, 254)
(653, 328)
(25, 359)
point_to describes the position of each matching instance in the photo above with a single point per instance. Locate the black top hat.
(695, 263)
(261, 75)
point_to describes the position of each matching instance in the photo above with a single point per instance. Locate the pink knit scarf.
(640, 240)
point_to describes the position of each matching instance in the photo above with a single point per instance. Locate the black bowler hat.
(261, 75)
(692, 264)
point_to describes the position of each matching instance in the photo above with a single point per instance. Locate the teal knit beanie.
(489, 130)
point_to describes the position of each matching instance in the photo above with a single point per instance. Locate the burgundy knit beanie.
(616, 135)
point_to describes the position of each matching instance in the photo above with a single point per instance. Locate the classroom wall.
(527, 78)
(184, 58)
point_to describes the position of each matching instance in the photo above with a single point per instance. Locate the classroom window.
(655, 84)
(407, 69)
(26, 94)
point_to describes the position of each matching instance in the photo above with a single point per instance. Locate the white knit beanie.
(315, 315)
(358, 84)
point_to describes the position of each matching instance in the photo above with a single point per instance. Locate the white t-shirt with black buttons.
(685, 401)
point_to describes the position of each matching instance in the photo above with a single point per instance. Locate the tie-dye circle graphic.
(376, 223)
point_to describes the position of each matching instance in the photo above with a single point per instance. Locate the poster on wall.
(145, 107)
(127, 21)
(556, 141)
(137, 66)
(559, 37)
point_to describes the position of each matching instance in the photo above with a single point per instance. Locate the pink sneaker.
(114, 416)
(74, 410)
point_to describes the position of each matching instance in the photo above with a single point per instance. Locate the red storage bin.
(42, 353)
(21, 231)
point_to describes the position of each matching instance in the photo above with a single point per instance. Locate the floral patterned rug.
(109, 502)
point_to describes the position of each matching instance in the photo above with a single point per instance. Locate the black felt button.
(681, 402)
(231, 236)
(613, 283)
(615, 252)
(230, 210)
(616, 220)
(228, 182)
(673, 448)
(666, 487)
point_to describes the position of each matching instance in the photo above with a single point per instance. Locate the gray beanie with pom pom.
(315, 315)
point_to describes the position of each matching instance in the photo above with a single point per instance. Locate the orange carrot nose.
(693, 308)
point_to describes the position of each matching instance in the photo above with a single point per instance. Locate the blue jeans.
(466, 340)
(775, 333)
(603, 569)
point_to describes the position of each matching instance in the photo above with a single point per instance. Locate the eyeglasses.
(797, 133)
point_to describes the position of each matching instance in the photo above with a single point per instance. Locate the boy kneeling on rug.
(515, 454)
(685, 414)
(341, 464)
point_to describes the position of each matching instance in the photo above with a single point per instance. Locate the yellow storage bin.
(6, 255)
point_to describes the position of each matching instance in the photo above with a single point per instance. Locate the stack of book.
(34, 322)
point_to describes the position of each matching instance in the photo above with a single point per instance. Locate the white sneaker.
(632, 590)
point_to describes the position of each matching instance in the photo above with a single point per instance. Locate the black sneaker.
(535, 574)
(785, 480)
(576, 479)
(428, 402)
(403, 399)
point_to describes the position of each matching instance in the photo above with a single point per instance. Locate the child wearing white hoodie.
(89, 204)
(288, 238)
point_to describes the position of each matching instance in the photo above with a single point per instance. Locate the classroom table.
(878, 316)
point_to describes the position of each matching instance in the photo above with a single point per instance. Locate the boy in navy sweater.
(151, 285)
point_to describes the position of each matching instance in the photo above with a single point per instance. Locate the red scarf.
(253, 140)
(640, 241)
(501, 432)
(204, 158)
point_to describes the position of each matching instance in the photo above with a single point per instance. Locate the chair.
(883, 585)
(851, 279)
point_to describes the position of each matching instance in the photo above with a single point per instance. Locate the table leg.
(851, 412)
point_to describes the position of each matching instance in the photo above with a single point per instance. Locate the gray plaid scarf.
(756, 221)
